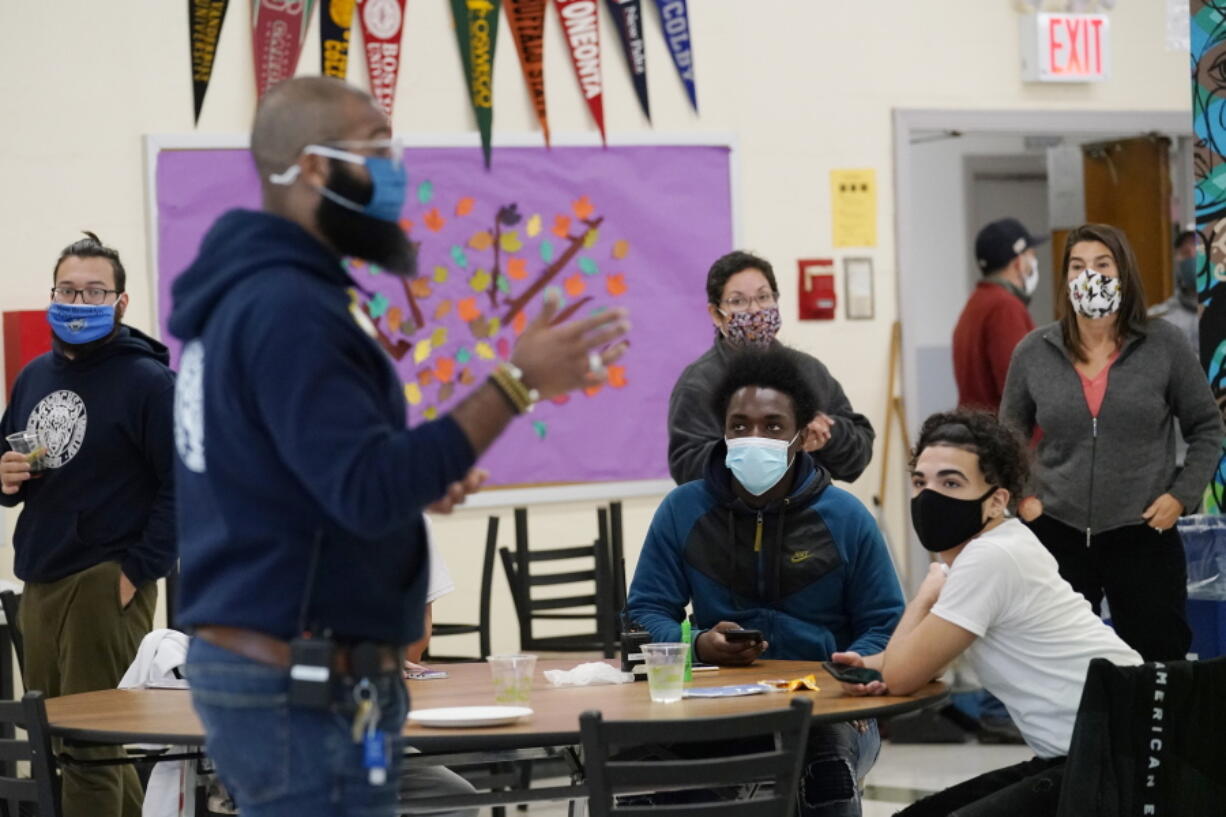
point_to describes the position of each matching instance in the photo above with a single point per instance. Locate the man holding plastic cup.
(775, 560)
(88, 452)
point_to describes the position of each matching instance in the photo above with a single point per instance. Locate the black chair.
(482, 627)
(41, 788)
(10, 602)
(522, 569)
(786, 729)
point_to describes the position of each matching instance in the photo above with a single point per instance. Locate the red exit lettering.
(1074, 46)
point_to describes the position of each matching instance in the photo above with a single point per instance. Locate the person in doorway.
(995, 318)
(1107, 387)
(96, 529)
(995, 596)
(301, 490)
(1182, 309)
(743, 300)
(765, 542)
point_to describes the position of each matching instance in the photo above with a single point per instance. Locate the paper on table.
(733, 691)
(592, 673)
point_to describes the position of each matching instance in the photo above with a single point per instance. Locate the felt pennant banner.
(335, 23)
(675, 17)
(629, 17)
(205, 18)
(527, 19)
(382, 24)
(476, 30)
(581, 21)
(277, 30)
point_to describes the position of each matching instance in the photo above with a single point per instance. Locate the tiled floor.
(902, 774)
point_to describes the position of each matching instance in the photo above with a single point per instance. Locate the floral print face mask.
(1094, 295)
(753, 328)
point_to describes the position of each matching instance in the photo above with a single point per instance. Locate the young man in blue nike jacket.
(765, 542)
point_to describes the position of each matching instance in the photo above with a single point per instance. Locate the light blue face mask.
(81, 323)
(758, 463)
(386, 175)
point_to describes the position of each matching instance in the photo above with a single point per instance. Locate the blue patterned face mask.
(386, 175)
(758, 463)
(81, 323)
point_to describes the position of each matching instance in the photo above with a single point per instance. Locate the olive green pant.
(78, 638)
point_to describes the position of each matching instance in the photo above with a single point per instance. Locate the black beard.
(359, 235)
(77, 351)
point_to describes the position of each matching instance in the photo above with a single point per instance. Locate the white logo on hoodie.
(60, 420)
(189, 407)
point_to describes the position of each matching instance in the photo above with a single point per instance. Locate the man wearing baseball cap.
(995, 317)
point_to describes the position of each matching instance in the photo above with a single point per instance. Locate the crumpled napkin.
(590, 674)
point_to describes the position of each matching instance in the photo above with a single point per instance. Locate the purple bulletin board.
(624, 226)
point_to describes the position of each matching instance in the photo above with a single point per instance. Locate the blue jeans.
(282, 761)
(837, 759)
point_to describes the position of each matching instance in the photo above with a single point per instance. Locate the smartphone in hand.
(753, 636)
(848, 674)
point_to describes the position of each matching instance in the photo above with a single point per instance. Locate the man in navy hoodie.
(301, 491)
(96, 529)
(765, 542)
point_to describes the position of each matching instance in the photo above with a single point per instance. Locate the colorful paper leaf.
(546, 249)
(394, 318)
(588, 266)
(560, 400)
(541, 428)
(494, 325)
(445, 371)
(575, 286)
(412, 393)
(467, 309)
(479, 327)
(440, 274)
(463, 355)
(434, 220)
(431, 413)
(509, 241)
(504, 285)
(480, 281)
(467, 378)
(533, 227)
(445, 392)
(591, 238)
(583, 208)
(517, 268)
(458, 256)
(616, 284)
(406, 225)
(617, 376)
(425, 377)
(421, 351)
(561, 226)
(438, 337)
(442, 310)
(465, 206)
(485, 351)
(425, 192)
(377, 305)
(420, 288)
(592, 391)
(621, 248)
(481, 241)
(504, 348)
(520, 322)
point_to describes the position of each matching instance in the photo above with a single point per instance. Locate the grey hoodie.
(1096, 474)
(693, 430)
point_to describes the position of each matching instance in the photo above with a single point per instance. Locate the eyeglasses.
(739, 303)
(90, 295)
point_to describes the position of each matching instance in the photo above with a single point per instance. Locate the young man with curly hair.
(765, 542)
(996, 596)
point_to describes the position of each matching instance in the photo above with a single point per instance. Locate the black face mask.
(943, 522)
(359, 235)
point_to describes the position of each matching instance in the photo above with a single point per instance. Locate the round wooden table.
(117, 716)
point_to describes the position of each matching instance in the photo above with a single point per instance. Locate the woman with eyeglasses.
(1105, 386)
(743, 300)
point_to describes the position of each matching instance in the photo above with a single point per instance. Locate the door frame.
(906, 122)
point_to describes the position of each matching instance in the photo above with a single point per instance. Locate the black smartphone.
(743, 635)
(851, 675)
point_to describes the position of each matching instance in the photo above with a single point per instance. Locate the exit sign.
(1066, 48)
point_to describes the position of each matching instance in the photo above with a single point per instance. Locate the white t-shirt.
(1036, 635)
(440, 583)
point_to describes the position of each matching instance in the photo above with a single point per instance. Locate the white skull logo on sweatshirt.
(60, 420)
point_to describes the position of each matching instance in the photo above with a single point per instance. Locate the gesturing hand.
(457, 492)
(558, 358)
(818, 432)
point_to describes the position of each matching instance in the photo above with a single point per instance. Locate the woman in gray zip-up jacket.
(1105, 386)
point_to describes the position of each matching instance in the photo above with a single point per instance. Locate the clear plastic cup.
(28, 443)
(665, 670)
(512, 678)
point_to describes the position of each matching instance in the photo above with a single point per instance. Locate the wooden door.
(1128, 185)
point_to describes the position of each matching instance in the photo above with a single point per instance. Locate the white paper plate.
(459, 716)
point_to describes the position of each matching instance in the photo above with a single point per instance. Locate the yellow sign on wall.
(853, 199)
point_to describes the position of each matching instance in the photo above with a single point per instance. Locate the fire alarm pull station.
(816, 294)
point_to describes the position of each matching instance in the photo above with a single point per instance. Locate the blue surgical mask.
(81, 323)
(758, 463)
(387, 176)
